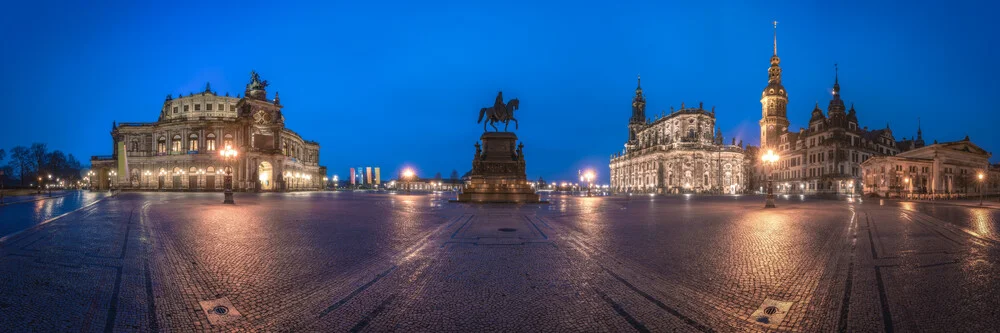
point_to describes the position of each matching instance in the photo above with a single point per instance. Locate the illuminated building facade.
(679, 152)
(180, 151)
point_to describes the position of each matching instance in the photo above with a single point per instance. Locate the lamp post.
(228, 154)
(980, 176)
(907, 182)
(48, 187)
(589, 176)
(407, 174)
(335, 183)
(769, 159)
(90, 179)
(147, 174)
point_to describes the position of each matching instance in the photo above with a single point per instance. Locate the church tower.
(773, 102)
(638, 120)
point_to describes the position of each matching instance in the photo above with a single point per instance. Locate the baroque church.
(679, 152)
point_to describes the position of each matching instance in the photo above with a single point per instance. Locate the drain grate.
(220, 311)
(771, 312)
(507, 229)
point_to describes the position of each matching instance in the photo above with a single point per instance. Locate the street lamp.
(908, 190)
(769, 160)
(90, 179)
(335, 182)
(228, 154)
(111, 180)
(589, 176)
(980, 176)
(407, 175)
(147, 174)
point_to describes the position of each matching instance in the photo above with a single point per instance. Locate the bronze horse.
(499, 113)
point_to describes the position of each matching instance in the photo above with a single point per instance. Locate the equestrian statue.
(499, 112)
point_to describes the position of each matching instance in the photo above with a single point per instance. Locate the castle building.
(826, 156)
(679, 152)
(180, 151)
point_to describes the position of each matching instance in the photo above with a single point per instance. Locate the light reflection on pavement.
(22, 215)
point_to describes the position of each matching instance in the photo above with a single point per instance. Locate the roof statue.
(255, 82)
(499, 112)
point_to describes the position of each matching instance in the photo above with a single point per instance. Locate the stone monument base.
(498, 173)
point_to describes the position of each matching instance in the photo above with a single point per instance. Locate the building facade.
(679, 152)
(826, 157)
(180, 151)
(940, 170)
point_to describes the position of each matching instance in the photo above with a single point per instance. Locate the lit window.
(175, 144)
(193, 142)
(210, 141)
(161, 145)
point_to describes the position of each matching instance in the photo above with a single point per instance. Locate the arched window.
(161, 145)
(210, 169)
(193, 170)
(177, 170)
(193, 142)
(227, 141)
(210, 141)
(175, 144)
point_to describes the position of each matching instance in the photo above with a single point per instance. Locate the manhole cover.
(220, 310)
(770, 310)
(507, 229)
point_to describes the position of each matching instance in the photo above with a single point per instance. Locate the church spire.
(638, 103)
(774, 73)
(836, 81)
(775, 38)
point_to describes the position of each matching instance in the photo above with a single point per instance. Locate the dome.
(774, 89)
(817, 114)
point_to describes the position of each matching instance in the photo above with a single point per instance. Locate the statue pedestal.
(498, 173)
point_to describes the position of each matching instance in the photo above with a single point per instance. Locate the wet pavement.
(22, 212)
(383, 262)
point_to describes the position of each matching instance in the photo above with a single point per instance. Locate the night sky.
(384, 83)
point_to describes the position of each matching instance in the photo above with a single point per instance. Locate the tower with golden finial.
(773, 101)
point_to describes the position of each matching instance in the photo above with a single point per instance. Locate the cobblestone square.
(344, 261)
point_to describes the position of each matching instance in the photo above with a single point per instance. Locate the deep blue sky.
(393, 83)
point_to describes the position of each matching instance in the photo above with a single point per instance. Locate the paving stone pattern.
(334, 262)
